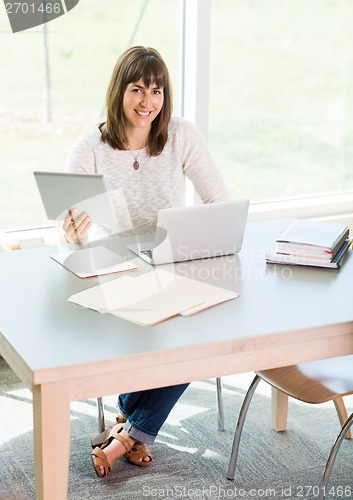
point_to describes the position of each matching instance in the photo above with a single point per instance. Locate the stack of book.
(311, 243)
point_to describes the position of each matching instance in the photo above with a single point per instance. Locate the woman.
(145, 155)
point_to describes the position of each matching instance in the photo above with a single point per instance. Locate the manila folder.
(152, 297)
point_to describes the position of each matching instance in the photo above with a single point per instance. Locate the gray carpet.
(190, 455)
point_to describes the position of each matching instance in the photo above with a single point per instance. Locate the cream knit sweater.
(138, 195)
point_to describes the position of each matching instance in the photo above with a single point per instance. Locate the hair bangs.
(152, 71)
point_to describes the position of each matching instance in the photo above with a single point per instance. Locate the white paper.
(120, 265)
(152, 297)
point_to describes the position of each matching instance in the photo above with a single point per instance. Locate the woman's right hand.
(76, 229)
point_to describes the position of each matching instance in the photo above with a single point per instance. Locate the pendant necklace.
(136, 164)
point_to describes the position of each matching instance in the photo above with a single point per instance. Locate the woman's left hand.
(76, 229)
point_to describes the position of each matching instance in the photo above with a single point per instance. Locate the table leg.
(51, 417)
(279, 409)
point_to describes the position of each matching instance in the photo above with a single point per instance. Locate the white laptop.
(196, 232)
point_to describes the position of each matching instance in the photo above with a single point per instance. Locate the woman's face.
(142, 104)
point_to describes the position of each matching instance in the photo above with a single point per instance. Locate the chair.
(101, 419)
(314, 382)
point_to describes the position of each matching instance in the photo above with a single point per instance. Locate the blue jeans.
(146, 411)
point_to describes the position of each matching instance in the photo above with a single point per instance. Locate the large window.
(280, 102)
(82, 47)
(281, 96)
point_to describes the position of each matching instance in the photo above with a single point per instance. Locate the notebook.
(196, 232)
(94, 261)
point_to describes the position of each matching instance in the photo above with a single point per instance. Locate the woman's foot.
(140, 455)
(116, 449)
(118, 443)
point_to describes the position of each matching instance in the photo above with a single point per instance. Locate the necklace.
(136, 164)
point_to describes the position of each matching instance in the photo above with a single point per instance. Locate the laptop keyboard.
(147, 252)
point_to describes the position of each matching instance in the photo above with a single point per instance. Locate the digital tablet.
(62, 191)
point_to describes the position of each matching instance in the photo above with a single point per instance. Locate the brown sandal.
(99, 458)
(133, 456)
(100, 438)
(137, 453)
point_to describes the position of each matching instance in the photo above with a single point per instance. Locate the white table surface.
(64, 352)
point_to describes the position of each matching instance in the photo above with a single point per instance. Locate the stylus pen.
(73, 223)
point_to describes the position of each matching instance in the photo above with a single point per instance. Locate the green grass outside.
(280, 101)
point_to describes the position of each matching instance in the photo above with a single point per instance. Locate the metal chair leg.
(332, 456)
(240, 425)
(101, 421)
(220, 405)
(342, 414)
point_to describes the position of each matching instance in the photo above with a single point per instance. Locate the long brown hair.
(136, 63)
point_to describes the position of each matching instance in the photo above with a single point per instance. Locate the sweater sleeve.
(81, 159)
(199, 165)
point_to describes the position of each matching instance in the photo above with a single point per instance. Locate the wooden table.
(63, 352)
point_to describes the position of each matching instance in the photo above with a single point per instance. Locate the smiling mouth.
(143, 113)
